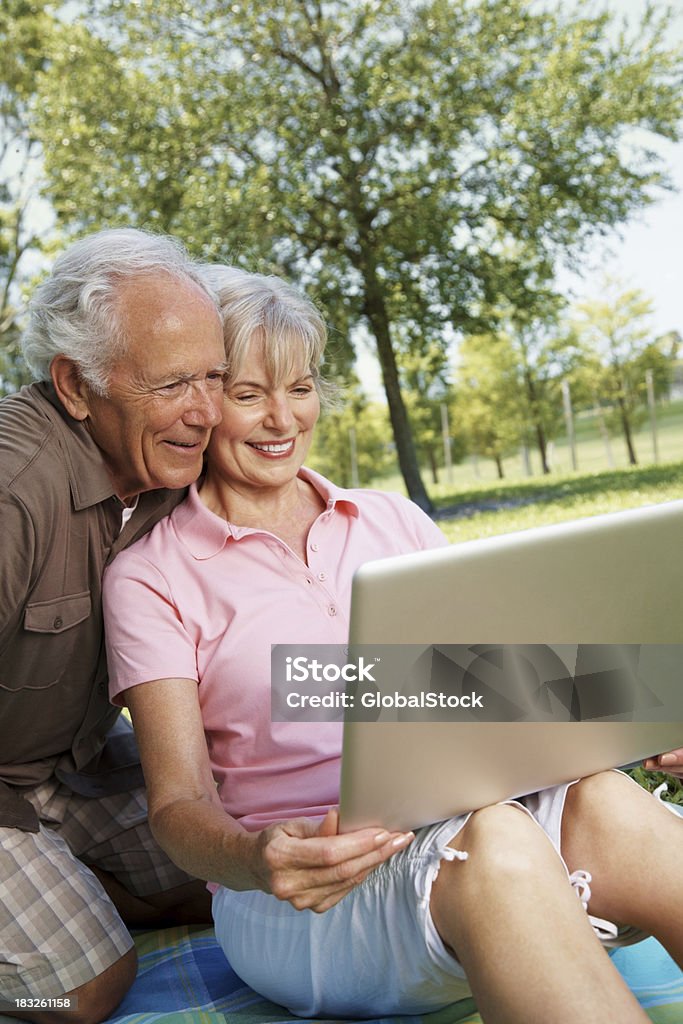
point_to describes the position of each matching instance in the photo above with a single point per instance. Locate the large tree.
(416, 159)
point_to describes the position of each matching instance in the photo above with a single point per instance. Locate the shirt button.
(322, 575)
(332, 610)
(58, 623)
(314, 547)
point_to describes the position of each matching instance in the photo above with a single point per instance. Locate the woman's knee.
(600, 803)
(504, 846)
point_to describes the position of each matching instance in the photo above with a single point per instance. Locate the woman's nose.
(279, 414)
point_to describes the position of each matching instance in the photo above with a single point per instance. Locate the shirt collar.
(89, 480)
(205, 534)
(332, 494)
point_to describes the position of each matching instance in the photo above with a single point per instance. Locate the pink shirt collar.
(205, 534)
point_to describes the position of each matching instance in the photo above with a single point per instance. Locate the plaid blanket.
(183, 978)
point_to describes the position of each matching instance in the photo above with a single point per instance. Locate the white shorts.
(377, 952)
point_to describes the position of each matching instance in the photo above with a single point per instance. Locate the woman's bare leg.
(519, 930)
(633, 848)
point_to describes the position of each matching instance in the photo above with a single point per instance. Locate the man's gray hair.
(75, 312)
(289, 324)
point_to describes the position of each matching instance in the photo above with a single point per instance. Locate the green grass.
(519, 506)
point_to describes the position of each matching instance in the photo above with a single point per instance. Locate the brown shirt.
(60, 525)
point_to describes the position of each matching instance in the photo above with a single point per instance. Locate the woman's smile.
(273, 449)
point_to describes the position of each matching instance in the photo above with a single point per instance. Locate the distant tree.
(488, 411)
(617, 330)
(356, 429)
(406, 160)
(547, 354)
(423, 371)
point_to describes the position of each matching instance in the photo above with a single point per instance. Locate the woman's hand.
(312, 867)
(671, 763)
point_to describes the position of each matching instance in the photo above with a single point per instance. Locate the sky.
(646, 253)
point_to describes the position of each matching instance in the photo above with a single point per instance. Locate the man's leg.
(59, 933)
(112, 836)
(186, 904)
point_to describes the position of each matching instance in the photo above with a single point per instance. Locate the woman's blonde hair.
(265, 306)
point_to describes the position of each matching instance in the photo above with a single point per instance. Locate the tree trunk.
(628, 436)
(375, 309)
(499, 466)
(433, 465)
(536, 419)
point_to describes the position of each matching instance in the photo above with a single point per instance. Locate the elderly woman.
(263, 552)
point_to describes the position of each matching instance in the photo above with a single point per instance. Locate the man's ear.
(71, 389)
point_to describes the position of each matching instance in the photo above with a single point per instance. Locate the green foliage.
(358, 430)
(509, 383)
(26, 30)
(652, 780)
(616, 334)
(410, 163)
(423, 371)
(488, 410)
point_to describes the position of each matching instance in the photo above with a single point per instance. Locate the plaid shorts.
(58, 927)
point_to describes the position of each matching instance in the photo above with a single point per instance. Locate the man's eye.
(215, 380)
(172, 388)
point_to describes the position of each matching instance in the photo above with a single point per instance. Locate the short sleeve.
(144, 631)
(427, 534)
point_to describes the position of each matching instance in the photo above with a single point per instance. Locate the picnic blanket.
(183, 978)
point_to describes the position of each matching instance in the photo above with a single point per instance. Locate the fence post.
(355, 482)
(649, 380)
(569, 420)
(445, 433)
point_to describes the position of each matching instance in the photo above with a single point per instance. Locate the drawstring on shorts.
(440, 853)
(580, 882)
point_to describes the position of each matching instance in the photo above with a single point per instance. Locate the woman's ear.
(71, 389)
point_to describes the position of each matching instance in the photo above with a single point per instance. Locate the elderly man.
(126, 343)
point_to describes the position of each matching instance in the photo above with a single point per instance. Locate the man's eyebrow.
(180, 376)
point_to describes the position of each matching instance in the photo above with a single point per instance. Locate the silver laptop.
(607, 587)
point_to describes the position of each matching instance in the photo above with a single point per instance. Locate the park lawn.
(505, 507)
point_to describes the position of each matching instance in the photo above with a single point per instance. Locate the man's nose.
(205, 405)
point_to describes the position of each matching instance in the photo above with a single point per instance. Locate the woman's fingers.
(670, 762)
(314, 870)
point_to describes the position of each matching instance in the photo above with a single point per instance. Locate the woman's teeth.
(274, 449)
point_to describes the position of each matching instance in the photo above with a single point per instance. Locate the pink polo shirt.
(201, 599)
